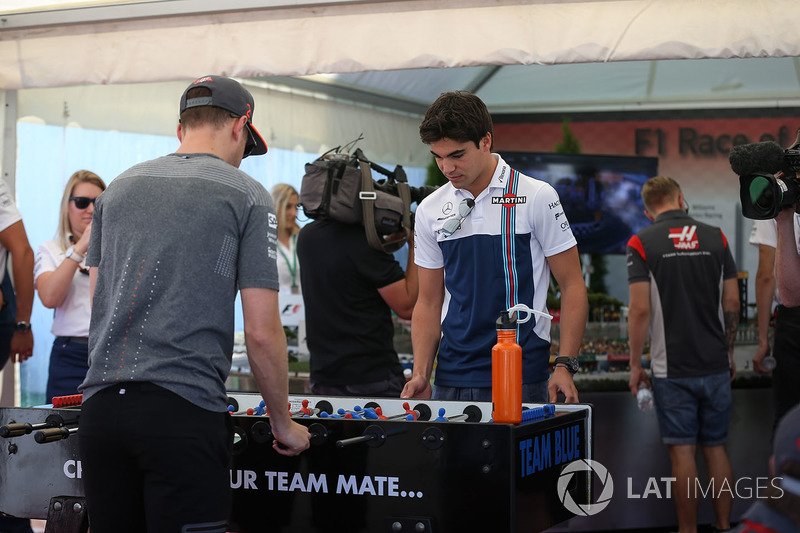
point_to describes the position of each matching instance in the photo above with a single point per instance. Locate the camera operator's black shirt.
(349, 328)
(686, 262)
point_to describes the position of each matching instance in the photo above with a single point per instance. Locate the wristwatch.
(75, 256)
(571, 363)
(23, 326)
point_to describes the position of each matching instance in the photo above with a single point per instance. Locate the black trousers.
(153, 461)
(786, 350)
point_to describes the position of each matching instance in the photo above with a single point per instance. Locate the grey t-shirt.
(174, 239)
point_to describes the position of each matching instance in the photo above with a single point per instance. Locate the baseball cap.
(228, 94)
(787, 437)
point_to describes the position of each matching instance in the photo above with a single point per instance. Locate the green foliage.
(299, 366)
(599, 299)
(569, 143)
(435, 176)
(597, 279)
(291, 335)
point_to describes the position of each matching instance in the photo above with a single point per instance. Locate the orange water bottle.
(507, 372)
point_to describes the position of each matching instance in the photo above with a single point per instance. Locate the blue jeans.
(8, 315)
(694, 410)
(531, 393)
(8, 319)
(69, 362)
(10, 524)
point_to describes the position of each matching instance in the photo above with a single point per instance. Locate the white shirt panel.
(9, 214)
(72, 316)
(766, 232)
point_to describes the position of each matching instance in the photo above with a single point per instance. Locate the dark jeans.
(786, 350)
(8, 317)
(390, 387)
(153, 461)
(69, 362)
(531, 393)
(15, 525)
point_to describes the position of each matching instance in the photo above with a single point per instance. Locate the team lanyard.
(292, 266)
(507, 232)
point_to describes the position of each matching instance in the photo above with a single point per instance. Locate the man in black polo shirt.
(683, 286)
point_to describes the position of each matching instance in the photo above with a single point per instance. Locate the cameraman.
(788, 256)
(778, 257)
(787, 324)
(350, 290)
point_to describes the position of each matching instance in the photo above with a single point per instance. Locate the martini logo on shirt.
(509, 200)
(684, 238)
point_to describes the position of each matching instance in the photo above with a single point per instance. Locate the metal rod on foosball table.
(420, 412)
(52, 421)
(374, 436)
(472, 413)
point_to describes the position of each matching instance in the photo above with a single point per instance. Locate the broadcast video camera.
(339, 185)
(389, 185)
(768, 180)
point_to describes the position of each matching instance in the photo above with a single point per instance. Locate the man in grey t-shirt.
(173, 239)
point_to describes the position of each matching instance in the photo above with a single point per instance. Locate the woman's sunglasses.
(82, 202)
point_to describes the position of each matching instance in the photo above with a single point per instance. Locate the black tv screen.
(601, 194)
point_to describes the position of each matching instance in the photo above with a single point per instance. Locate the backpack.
(340, 186)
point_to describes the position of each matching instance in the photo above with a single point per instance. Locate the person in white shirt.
(786, 343)
(16, 302)
(286, 203)
(62, 282)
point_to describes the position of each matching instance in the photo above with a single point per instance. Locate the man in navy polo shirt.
(485, 242)
(683, 286)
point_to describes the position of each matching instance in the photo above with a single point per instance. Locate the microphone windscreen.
(756, 157)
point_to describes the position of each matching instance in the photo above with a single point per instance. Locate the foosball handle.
(262, 434)
(15, 430)
(319, 433)
(374, 436)
(52, 434)
(53, 420)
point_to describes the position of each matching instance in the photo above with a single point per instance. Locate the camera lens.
(761, 194)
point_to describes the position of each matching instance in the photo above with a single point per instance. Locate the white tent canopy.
(374, 66)
(177, 39)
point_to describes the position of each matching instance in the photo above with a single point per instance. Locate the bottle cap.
(507, 321)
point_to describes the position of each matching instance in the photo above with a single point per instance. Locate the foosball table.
(374, 465)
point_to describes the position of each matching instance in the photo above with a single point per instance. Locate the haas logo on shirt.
(684, 238)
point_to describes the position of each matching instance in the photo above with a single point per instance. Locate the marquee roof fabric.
(372, 60)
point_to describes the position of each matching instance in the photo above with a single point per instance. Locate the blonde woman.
(62, 281)
(286, 203)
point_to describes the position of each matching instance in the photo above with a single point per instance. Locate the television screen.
(601, 194)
